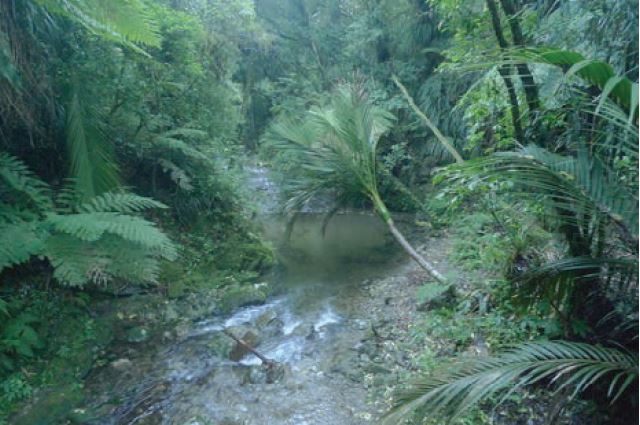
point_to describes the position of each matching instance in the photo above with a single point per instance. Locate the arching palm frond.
(600, 74)
(92, 164)
(581, 185)
(335, 148)
(566, 365)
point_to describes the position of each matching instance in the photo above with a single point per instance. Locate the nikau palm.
(336, 150)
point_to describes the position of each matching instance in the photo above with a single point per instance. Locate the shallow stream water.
(312, 325)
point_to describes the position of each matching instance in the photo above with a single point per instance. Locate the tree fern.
(119, 202)
(90, 227)
(18, 185)
(125, 21)
(19, 242)
(566, 365)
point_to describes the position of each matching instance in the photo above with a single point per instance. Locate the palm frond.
(566, 365)
(598, 73)
(580, 184)
(335, 147)
(92, 165)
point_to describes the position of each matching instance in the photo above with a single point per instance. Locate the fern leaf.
(119, 202)
(19, 242)
(90, 227)
(124, 21)
(19, 182)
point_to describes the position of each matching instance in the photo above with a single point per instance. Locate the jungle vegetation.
(125, 126)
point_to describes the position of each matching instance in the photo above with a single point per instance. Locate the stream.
(313, 325)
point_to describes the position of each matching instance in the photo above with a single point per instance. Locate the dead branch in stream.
(265, 361)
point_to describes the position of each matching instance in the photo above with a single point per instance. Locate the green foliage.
(97, 241)
(18, 339)
(579, 365)
(126, 21)
(335, 148)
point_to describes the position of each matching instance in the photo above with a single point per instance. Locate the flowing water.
(312, 325)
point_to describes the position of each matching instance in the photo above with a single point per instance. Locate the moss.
(241, 295)
(51, 407)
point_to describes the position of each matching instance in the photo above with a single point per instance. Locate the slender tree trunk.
(528, 83)
(505, 72)
(382, 210)
(445, 141)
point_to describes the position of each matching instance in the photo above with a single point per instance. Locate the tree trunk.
(505, 72)
(399, 237)
(445, 142)
(528, 83)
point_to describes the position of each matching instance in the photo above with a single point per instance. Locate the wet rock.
(256, 375)
(240, 296)
(138, 334)
(266, 318)
(221, 345)
(277, 372)
(250, 337)
(170, 313)
(121, 364)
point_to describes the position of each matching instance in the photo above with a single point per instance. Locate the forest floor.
(168, 362)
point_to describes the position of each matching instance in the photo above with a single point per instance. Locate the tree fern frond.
(125, 21)
(565, 364)
(18, 243)
(119, 202)
(90, 227)
(77, 262)
(179, 176)
(18, 181)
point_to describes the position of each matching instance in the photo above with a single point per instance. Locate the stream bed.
(312, 325)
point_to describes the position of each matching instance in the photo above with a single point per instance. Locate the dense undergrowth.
(125, 126)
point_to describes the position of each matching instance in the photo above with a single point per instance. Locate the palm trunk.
(382, 210)
(505, 72)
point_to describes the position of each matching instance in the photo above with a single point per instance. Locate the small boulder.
(238, 296)
(138, 334)
(121, 364)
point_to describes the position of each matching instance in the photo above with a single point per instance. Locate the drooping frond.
(18, 243)
(566, 365)
(335, 147)
(18, 184)
(77, 262)
(598, 73)
(125, 21)
(91, 227)
(171, 141)
(119, 202)
(581, 185)
(92, 165)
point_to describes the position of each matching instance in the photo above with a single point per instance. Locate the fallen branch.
(266, 361)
